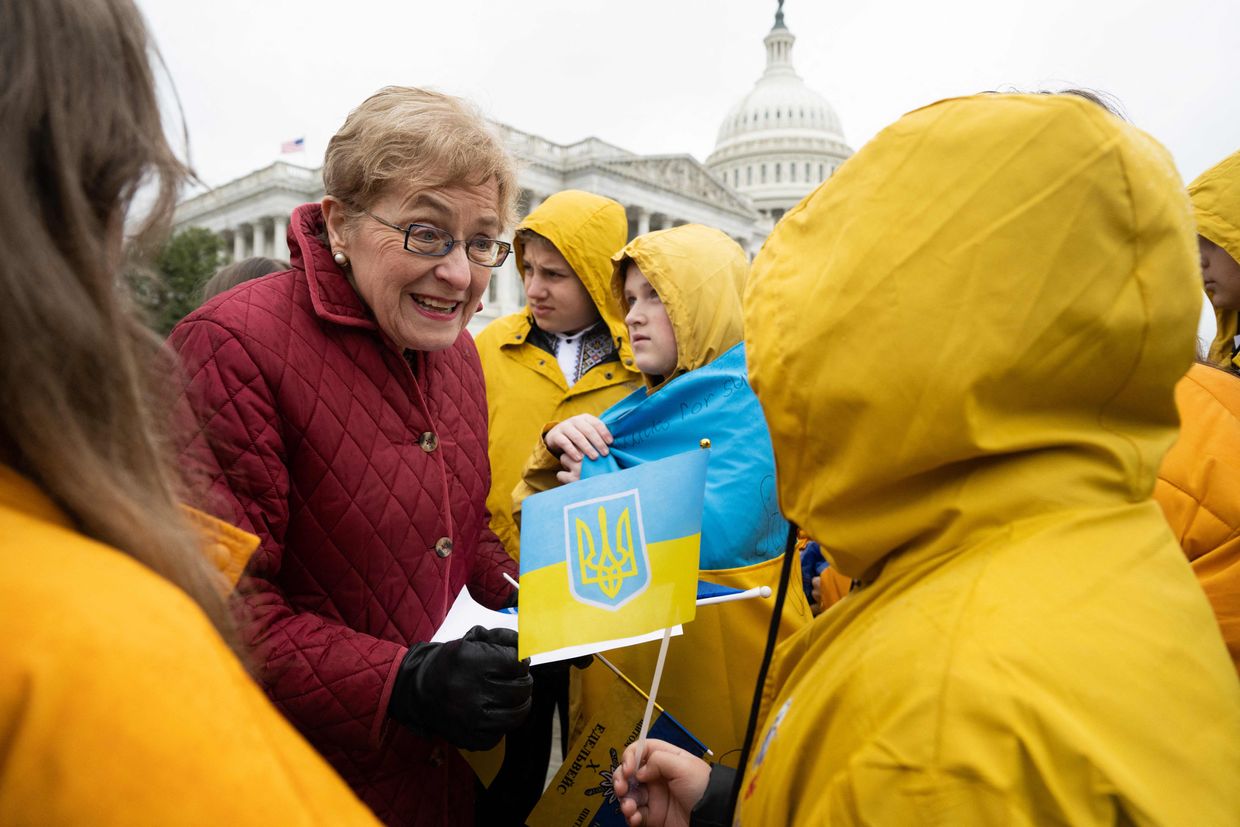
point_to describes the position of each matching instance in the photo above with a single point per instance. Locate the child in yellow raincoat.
(678, 291)
(990, 305)
(1216, 205)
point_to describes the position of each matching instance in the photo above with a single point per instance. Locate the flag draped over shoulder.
(613, 556)
(741, 523)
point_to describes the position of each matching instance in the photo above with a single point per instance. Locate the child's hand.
(664, 790)
(578, 436)
(571, 472)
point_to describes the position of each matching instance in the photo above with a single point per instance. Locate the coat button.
(429, 441)
(443, 546)
(628, 362)
(435, 759)
(607, 375)
(542, 361)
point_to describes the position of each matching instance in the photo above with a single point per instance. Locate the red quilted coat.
(365, 473)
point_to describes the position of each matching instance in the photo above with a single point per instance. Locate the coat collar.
(332, 295)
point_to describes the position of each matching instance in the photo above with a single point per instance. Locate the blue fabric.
(741, 523)
(706, 590)
(812, 565)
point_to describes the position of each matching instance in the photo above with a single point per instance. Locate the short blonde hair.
(416, 136)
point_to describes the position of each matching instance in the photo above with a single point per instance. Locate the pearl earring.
(340, 258)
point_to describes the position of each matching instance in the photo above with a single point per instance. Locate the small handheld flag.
(295, 145)
(612, 556)
(582, 792)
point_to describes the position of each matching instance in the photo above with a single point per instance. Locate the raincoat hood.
(587, 229)
(944, 341)
(1216, 206)
(698, 273)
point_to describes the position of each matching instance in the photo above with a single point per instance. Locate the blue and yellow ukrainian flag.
(613, 556)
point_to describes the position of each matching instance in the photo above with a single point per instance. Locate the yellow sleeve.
(537, 475)
(120, 705)
(884, 795)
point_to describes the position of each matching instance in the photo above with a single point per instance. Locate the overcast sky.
(658, 76)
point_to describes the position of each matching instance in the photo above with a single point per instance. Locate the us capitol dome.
(782, 139)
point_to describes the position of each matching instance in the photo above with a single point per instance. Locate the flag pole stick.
(654, 690)
(704, 444)
(757, 591)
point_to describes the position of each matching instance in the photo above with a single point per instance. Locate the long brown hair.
(80, 413)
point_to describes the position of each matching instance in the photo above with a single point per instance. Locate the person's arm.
(164, 726)
(333, 682)
(538, 475)
(491, 563)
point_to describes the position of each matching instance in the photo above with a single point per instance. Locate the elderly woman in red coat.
(344, 402)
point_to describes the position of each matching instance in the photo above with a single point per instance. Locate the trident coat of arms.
(606, 549)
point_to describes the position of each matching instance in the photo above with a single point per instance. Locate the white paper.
(466, 613)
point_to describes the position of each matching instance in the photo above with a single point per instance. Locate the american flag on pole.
(295, 145)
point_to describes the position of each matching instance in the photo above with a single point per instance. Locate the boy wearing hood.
(679, 292)
(566, 353)
(1216, 205)
(1027, 644)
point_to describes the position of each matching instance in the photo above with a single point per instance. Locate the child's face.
(1220, 275)
(557, 298)
(650, 330)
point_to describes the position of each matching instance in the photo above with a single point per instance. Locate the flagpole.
(757, 591)
(654, 690)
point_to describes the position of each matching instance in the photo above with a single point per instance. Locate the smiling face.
(420, 302)
(1220, 275)
(650, 329)
(558, 300)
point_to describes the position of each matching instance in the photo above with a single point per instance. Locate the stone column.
(643, 221)
(238, 242)
(259, 246)
(279, 242)
(507, 292)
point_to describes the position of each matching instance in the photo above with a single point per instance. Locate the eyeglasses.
(424, 240)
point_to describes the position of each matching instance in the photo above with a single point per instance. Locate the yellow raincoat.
(525, 386)
(1198, 488)
(1216, 206)
(710, 671)
(966, 344)
(119, 703)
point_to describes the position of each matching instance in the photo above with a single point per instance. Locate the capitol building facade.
(775, 146)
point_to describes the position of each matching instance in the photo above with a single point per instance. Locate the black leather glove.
(469, 691)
